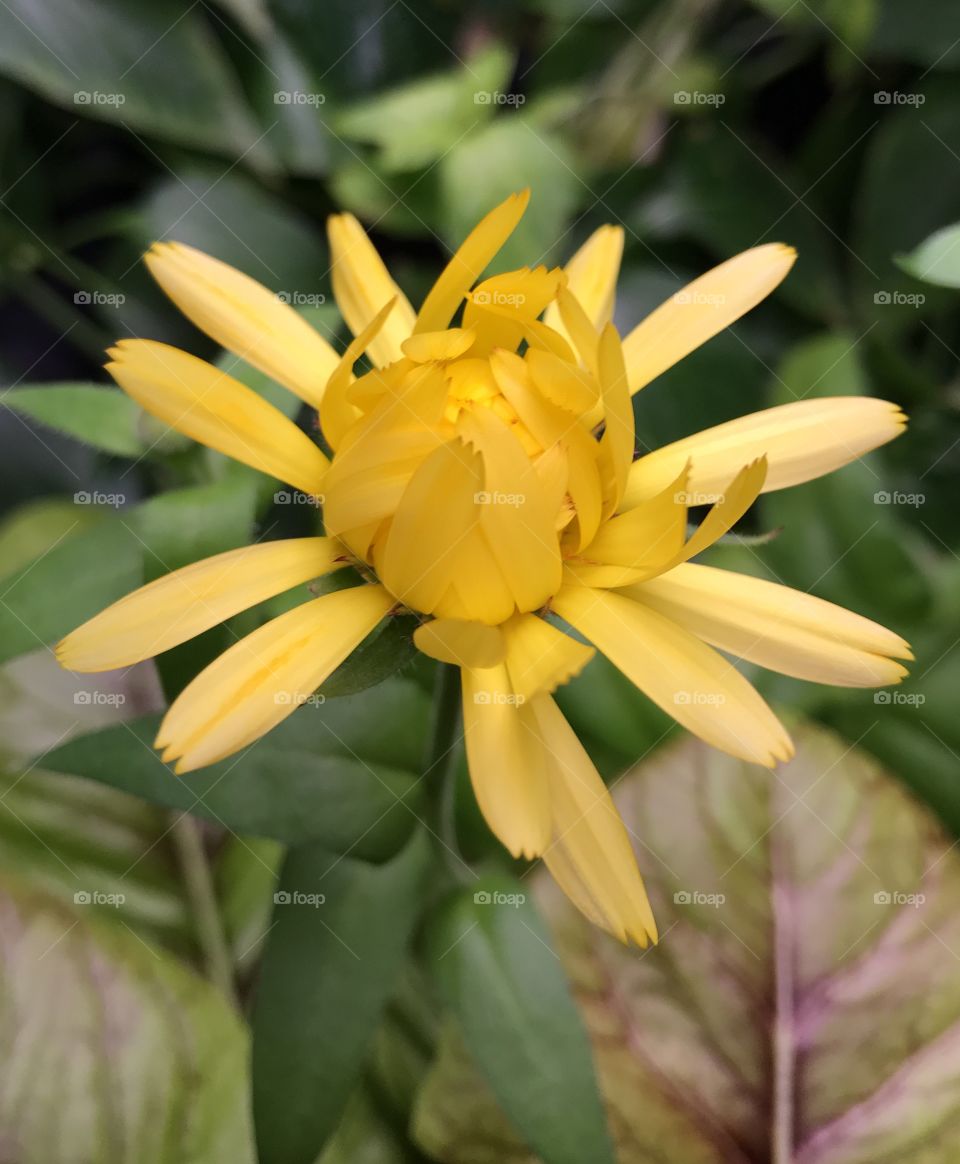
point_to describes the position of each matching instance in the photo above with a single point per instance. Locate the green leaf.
(342, 772)
(926, 32)
(384, 653)
(502, 158)
(156, 68)
(112, 1051)
(335, 953)
(417, 123)
(508, 991)
(105, 418)
(937, 259)
(790, 908)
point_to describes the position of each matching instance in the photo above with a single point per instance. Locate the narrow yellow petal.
(450, 344)
(569, 387)
(592, 278)
(244, 317)
(462, 643)
(189, 601)
(211, 407)
(362, 285)
(723, 515)
(469, 262)
(702, 309)
(540, 657)
(337, 412)
(682, 675)
(801, 441)
(261, 679)
(589, 853)
(776, 627)
(644, 538)
(507, 765)
(618, 440)
(478, 590)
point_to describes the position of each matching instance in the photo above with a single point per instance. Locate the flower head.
(483, 475)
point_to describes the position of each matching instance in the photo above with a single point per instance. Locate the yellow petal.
(337, 412)
(469, 262)
(362, 285)
(643, 539)
(437, 510)
(579, 327)
(261, 679)
(439, 345)
(462, 643)
(589, 853)
(801, 441)
(244, 317)
(682, 675)
(721, 517)
(702, 309)
(776, 627)
(211, 407)
(592, 278)
(562, 383)
(514, 512)
(478, 590)
(617, 442)
(191, 600)
(501, 308)
(507, 765)
(540, 657)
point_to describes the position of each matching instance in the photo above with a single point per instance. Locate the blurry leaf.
(501, 158)
(417, 123)
(246, 875)
(791, 906)
(75, 577)
(113, 1052)
(334, 955)
(508, 992)
(35, 526)
(342, 772)
(926, 32)
(936, 259)
(827, 364)
(229, 217)
(155, 68)
(909, 187)
(103, 417)
(385, 652)
(365, 1136)
(850, 21)
(737, 199)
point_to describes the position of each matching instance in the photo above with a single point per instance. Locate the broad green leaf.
(334, 956)
(105, 418)
(384, 653)
(926, 32)
(113, 1052)
(936, 259)
(417, 123)
(342, 772)
(505, 985)
(795, 909)
(505, 156)
(155, 68)
(37, 525)
(847, 23)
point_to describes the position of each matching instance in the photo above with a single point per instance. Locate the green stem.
(204, 906)
(440, 767)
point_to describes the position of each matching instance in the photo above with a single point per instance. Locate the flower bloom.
(483, 476)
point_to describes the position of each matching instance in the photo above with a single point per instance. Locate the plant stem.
(440, 766)
(203, 903)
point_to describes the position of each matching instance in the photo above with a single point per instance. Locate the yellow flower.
(483, 476)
